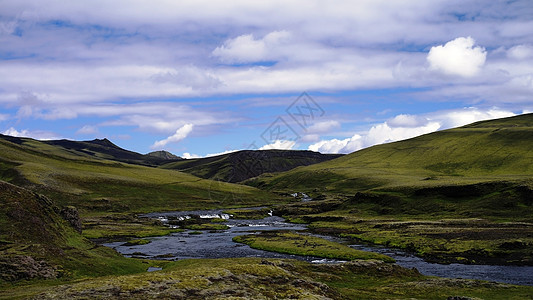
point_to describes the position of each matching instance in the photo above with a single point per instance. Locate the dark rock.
(70, 213)
(19, 267)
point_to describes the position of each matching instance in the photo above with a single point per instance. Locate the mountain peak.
(103, 142)
(163, 154)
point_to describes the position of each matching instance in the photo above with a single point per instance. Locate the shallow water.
(522, 275)
(219, 244)
(209, 244)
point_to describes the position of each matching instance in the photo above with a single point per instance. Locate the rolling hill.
(241, 165)
(104, 148)
(90, 180)
(488, 151)
(463, 195)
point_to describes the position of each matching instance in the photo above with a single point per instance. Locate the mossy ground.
(306, 245)
(439, 238)
(255, 278)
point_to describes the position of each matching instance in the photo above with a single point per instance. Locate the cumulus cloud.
(457, 57)
(337, 146)
(180, 134)
(407, 121)
(403, 127)
(38, 134)
(279, 144)
(188, 155)
(245, 48)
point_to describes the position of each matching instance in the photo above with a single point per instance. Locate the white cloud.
(245, 48)
(188, 155)
(4, 117)
(323, 126)
(337, 146)
(310, 138)
(404, 127)
(457, 57)
(188, 76)
(220, 153)
(180, 134)
(87, 129)
(279, 144)
(38, 134)
(520, 52)
(172, 52)
(407, 121)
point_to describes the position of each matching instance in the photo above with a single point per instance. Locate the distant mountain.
(103, 148)
(164, 155)
(99, 176)
(242, 165)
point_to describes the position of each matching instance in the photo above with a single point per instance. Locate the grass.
(476, 153)
(33, 230)
(298, 244)
(439, 238)
(480, 171)
(242, 165)
(255, 278)
(98, 185)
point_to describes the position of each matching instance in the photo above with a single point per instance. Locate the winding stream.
(219, 244)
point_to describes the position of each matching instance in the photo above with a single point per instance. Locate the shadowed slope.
(242, 165)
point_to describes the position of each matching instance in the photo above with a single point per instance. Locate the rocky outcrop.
(19, 267)
(71, 215)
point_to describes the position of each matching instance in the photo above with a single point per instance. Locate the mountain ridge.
(244, 164)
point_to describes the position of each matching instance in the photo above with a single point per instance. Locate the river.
(219, 244)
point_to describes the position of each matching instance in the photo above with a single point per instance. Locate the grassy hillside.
(242, 165)
(458, 195)
(100, 185)
(37, 241)
(484, 151)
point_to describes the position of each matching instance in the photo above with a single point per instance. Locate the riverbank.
(278, 236)
(259, 278)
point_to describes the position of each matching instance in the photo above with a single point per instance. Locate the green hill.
(458, 195)
(95, 184)
(38, 240)
(242, 165)
(496, 150)
(104, 148)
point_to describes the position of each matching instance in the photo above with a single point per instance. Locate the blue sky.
(204, 77)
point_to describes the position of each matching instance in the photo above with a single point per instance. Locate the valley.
(463, 195)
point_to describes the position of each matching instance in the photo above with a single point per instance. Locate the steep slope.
(103, 148)
(242, 165)
(36, 241)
